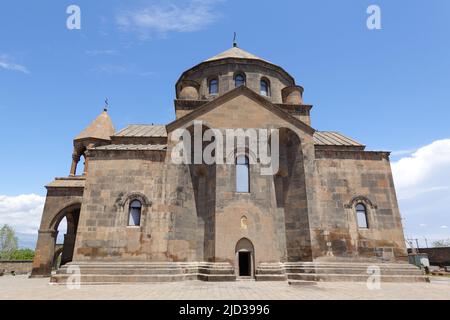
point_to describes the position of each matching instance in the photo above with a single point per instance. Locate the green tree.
(8, 242)
(22, 254)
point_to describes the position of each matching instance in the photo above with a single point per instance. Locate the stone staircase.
(137, 272)
(295, 273)
(301, 272)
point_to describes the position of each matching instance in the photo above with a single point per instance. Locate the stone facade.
(192, 213)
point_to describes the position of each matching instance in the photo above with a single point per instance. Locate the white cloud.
(164, 17)
(112, 69)
(22, 212)
(7, 64)
(426, 170)
(422, 181)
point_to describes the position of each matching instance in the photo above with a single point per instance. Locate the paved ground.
(20, 287)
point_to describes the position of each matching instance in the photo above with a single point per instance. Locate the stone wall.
(344, 179)
(437, 256)
(115, 179)
(19, 267)
(254, 71)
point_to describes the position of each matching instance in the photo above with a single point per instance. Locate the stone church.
(329, 213)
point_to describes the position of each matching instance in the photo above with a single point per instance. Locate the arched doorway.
(47, 245)
(245, 259)
(70, 216)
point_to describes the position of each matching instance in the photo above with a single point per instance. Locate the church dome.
(232, 68)
(236, 53)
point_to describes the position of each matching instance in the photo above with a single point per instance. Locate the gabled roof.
(242, 90)
(235, 52)
(101, 128)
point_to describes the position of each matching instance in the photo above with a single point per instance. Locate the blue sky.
(386, 88)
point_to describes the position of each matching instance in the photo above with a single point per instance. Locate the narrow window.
(242, 174)
(361, 214)
(213, 86)
(135, 213)
(265, 88)
(239, 80)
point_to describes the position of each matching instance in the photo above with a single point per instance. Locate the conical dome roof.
(235, 52)
(101, 128)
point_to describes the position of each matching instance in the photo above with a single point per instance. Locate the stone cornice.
(352, 155)
(188, 104)
(301, 109)
(242, 90)
(67, 182)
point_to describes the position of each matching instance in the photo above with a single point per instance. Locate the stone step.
(270, 277)
(130, 272)
(149, 271)
(347, 265)
(116, 279)
(301, 283)
(360, 271)
(354, 278)
(173, 265)
(339, 271)
(269, 271)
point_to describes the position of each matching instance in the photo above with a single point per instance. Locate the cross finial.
(106, 105)
(234, 40)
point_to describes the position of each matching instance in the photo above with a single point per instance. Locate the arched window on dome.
(239, 80)
(265, 87)
(361, 216)
(135, 213)
(213, 86)
(242, 174)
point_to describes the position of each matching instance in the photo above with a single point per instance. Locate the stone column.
(75, 159)
(45, 250)
(86, 158)
(69, 245)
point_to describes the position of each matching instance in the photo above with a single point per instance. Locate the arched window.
(242, 174)
(239, 80)
(361, 215)
(135, 213)
(213, 86)
(265, 88)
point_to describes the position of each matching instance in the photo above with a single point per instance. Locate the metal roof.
(235, 52)
(328, 138)
(324, 138)
(136, 130)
